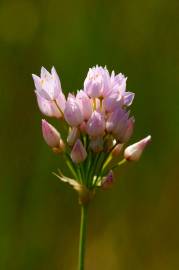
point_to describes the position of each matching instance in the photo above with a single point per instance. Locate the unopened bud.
(108, 180)
(51, 135)
(78, 153)
(73, 136)
(117, 150)
(133, 152)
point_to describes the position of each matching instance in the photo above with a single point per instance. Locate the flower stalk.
(83, 234)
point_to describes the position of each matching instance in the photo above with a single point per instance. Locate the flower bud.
(117, 150)
(50, 135)
(86, 105)
(73, 136)
(78, 153)
(73, 113)
(133, 152)
(96, 144)
(96, 125)
(129, 129)
(107, 181)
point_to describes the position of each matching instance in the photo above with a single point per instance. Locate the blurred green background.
(135, 225)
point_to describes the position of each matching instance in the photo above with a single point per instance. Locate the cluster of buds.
(99, 124)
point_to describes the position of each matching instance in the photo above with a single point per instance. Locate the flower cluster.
(99, 125)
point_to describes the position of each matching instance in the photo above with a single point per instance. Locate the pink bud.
(78, 153)
(73, 113)
(117, 150)
(50, 134)
(73, 136)
(86, 105)
(96, 144)
(108, 181)
(96, 124)
(133, 152)
(129, 129)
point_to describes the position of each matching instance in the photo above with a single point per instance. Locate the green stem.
(82, 243)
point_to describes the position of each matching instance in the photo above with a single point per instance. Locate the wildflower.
(49, 93)
(99, 127)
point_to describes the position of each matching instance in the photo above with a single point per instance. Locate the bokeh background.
(135, 225)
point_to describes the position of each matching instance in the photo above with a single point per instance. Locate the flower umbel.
(98, 120)
(99, 125)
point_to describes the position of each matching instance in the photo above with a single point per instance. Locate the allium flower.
(99, 126)
(49, 93)
(97, 82)
(73, 112)
(120, 125)
(96, 124)
(85, 103)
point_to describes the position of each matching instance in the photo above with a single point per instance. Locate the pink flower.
(73, 112)
(78, 153)
(133, 152)
(96, 124)
(119, 125)
(52, 137)
(96, 82)
(86, 105)
(49, 93)
(117, 97)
